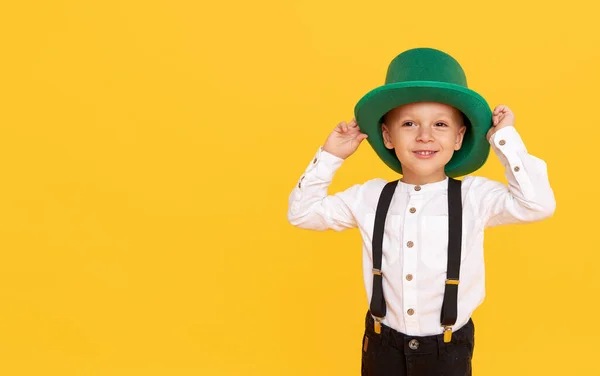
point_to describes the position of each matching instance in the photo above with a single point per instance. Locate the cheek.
(400, 142)
(449, 139)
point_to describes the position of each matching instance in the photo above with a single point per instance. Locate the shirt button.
(409, 277)
(410, 244)
(517, 169)
(417, 188)
(502, 142)
(413, 210)
(314, 160)
(410, 312)
(413, 344)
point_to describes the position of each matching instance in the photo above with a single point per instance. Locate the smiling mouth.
(425, 153)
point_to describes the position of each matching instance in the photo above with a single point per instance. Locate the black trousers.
(393, 353)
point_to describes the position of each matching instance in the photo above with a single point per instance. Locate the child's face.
(424, 136)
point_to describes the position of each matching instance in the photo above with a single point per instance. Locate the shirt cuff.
(322, 167)
(507, 144)
(512, 152)
(329, 158)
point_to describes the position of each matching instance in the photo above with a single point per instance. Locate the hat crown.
(425, 64)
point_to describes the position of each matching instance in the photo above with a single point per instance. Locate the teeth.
(424, 152)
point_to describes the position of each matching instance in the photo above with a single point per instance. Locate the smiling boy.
(423, 261)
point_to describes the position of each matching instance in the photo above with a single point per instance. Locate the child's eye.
(440, 124)
(408, 124)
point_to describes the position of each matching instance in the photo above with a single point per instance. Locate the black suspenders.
(377, 300)
(449, 312)
(450, 305)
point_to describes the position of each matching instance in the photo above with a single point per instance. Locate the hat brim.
(475, 149)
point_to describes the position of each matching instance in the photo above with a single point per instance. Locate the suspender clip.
(447, 334)
(377, 272)
(377, 325)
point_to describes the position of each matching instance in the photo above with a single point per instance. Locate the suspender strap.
(450, 305)
(378, 308)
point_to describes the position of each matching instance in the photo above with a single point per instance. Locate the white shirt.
(414, 277)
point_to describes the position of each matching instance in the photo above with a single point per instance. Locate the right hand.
(344, 140)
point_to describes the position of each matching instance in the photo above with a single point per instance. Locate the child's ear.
(459, 137)
(387, 138)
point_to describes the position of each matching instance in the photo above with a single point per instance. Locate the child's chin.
(426, 168)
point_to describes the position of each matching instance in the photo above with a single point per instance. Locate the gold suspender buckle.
(448, 329)
(377, 272)
(377, 325)
(447, 334)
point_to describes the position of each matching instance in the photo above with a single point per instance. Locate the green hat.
(427, 75)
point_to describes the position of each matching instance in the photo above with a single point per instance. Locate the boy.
(423, 261)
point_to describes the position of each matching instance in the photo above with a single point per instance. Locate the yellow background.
(148, 148)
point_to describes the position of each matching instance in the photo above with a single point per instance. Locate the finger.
(353, 123)
(353, 129)
(499, 109)
(344, 126)
(359, 139)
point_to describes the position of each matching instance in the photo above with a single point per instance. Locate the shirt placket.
(410, 249)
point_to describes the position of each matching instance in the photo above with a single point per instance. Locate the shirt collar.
(430, 187)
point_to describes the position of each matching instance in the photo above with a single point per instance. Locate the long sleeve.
(310, 206)
(528, 196)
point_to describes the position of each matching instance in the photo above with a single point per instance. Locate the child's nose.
(424, 134)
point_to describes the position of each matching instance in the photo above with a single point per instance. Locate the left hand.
(502, 117)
